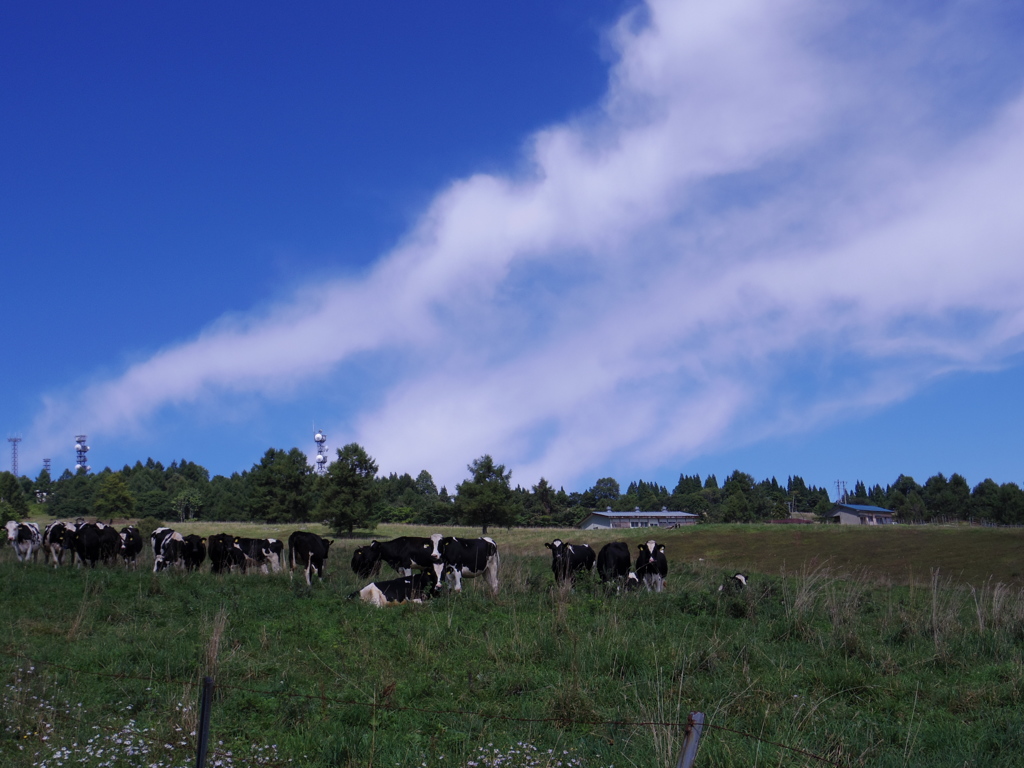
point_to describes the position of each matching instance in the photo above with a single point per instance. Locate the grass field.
(877, 647)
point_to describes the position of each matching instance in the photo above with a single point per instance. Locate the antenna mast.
(14, 454)
(81, 449)
(321, 451)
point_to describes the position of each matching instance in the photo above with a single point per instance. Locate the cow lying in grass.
(734, 584)
(406, 589)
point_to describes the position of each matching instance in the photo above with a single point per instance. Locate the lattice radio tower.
(46, 465)
(321, 451)
(14, 454)
(81, 449)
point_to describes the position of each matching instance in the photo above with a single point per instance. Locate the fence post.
(691, 740)
(203, 739)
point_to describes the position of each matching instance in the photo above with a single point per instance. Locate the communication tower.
(14, 454)
(46, 465)
(321, 451)
(81, 449)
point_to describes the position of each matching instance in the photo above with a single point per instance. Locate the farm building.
(860, 514)
(637, 519)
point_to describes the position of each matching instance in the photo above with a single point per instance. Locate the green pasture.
(877, 647)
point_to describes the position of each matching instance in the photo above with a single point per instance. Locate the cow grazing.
(365, 562)
(414, 589)
(168, 549)
(734, 584)
(95, 542)
(652, 565)
(403, 554)
(614, 565)
(568, 559)
(224, 555)
(25, 539)
(58, 538)
(258, 553)
(276, 551)
(193, 551)
(309, 551)
(467, 558)
(614, 561)
(131, 545)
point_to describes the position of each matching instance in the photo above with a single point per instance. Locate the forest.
(283, 488)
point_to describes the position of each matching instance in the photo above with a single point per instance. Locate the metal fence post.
(203, 739)
(691, 740)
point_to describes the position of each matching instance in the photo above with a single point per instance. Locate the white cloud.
(723, 219)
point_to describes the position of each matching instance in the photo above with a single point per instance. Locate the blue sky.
(588, 238)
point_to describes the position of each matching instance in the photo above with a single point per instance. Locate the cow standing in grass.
(25, 538)
(95, 542)
(467, 558)
(569, 559)
(131, 546)
(614, 565)
(652, 565)
(58, 538)
(308, 550)
(403, 554)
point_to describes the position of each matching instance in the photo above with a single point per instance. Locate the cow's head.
(366, 561)
(446, 573)
(559, 552)
(437, 548)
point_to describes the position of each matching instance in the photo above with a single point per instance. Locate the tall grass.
(824, 657)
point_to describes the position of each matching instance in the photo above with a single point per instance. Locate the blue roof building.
(860, 514)
(636, 519)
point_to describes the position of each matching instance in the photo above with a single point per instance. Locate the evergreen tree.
(486, 497)
(350, 493)
(12, 496)
(113, 499)
(280, 486)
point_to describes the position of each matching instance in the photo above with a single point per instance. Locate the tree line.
(282, 488)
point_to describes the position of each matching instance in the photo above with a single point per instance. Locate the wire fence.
(385, 703)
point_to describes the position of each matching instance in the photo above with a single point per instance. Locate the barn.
(637, 519)
(860, 514)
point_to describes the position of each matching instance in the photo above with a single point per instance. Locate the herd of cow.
(90, 543)
(438, 561)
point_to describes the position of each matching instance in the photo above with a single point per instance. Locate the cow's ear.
(640, 546)
(203, 540)
(547, 544)
(661, 548)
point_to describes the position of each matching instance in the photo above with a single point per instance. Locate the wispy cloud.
(757, 229)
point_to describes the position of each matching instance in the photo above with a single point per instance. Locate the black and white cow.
(467, 558)
(193, 551)
(224, 555)
(568, 559)
(95, 542)
(403, 554)
(734, 584)
(168, 549)
(407, 589)
(614, 564)
(309, 551)
(25, 539)
(276, 556)
(652, 565)
(58, 538)
(259, 553)
(131, 545)
(365, 562)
